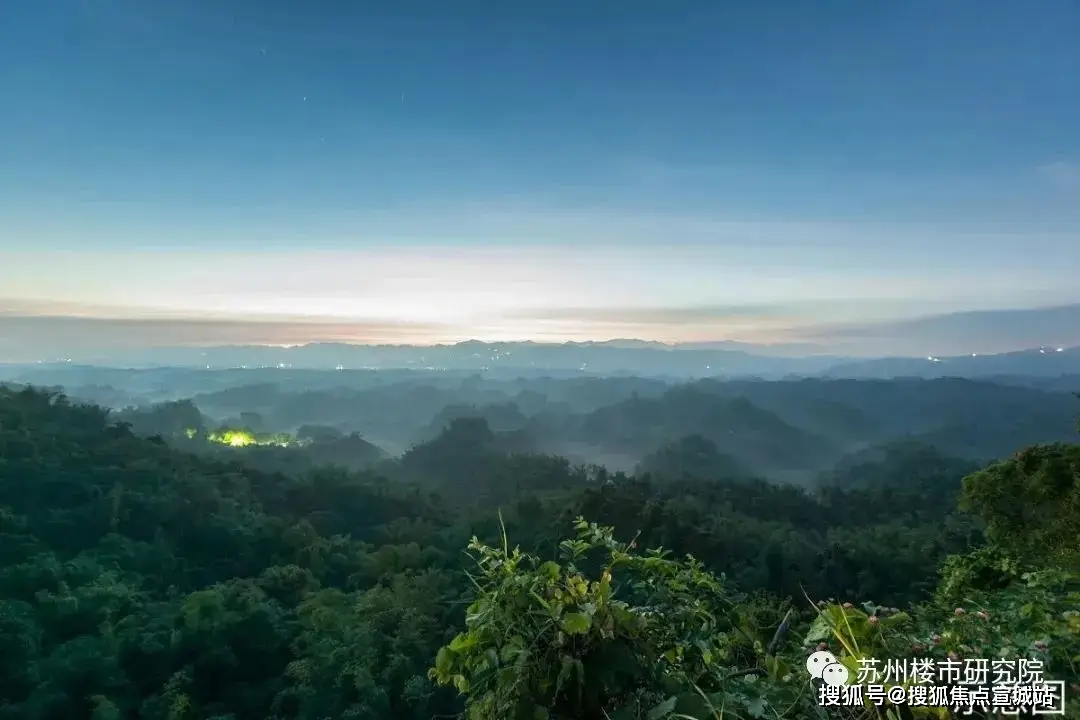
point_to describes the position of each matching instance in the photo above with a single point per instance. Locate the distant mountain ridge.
(810, 348)
(622, 357)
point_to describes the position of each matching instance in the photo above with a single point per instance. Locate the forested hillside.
(790, 430)
(141, 580)
(548, 360)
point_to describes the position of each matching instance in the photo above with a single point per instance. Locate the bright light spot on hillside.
(245, 438)
(237, 438)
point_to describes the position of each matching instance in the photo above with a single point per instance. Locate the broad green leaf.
(444, 660)
(820, 630)
(576, 623)
(463, 642)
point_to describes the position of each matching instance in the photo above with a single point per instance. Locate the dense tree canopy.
(140, 579)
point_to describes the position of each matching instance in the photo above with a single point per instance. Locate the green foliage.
(1036, 616)
(175, 420)
(1046, 523)
(692, 456)
(140, 581)
(648, 636)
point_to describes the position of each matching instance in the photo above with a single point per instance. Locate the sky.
(198, 172)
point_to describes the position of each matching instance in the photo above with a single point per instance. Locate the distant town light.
(237, 438)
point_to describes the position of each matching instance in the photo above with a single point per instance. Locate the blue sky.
(556, 170)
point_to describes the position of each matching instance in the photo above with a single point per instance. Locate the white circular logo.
(835, 675)
(817, 662)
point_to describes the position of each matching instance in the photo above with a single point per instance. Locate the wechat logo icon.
(824, 666)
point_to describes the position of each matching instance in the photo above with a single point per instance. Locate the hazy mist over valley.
(614, 404)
